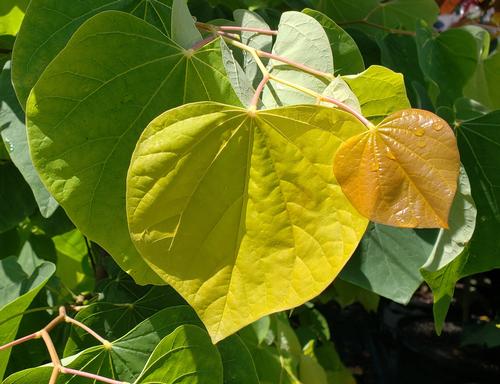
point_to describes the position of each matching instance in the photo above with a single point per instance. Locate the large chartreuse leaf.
(346, 54)
(186, 355)
(230, 206)
(449, 60)
(402, 172)
(301, 39)
(380, 92)
(14, 135)
(49, 24)
(16, 199)
(126, 357)
(88, 109)
(11, 15)
(19, 284)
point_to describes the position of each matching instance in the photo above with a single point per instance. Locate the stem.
(258, 92)
(210, 27)
(90, 331)
(320, 97)
(91, 376)
(202, 43)
(292, 63)
(379, 26)
(35, 335)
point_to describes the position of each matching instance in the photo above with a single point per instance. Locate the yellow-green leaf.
(402, 172)
(240, 211)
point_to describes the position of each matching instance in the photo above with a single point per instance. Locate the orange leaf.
(402, 172)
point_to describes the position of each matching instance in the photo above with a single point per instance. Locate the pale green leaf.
(184, 31)
(46, 29)
(234, 193)
(249, 19)
(303, 40)
(241, 84)
(346, 54)
(18, 287)
(338, 89)
(93, 101)
(380, 92)
(451, 242)
(186, 355)
(14, 135)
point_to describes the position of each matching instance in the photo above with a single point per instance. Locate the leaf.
(339, 90)
(237, 362)
(388, 261)
(380, 92)
(390, 14)
(17, 200)
(402, 172)
(336, 372)
(46, 29)
(279, 205)
(346, 54)
(346, 294)
(186, 355)
(239, 80)
(19, 286)
(11, 15)
(184, 31)
(14, 135)
(126, 357)
(479, 141)
(303, 40)
(449, 60)
(452, 242)
(155, 12)
(113, 320)
(311, 372)
(93, 102)
(249, 19)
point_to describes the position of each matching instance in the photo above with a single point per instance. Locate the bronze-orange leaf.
(402, 172)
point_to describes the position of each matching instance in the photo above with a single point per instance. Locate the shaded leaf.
(93, 101)
(346, 54)
(237, 362)
(185, 355)
(279, 205)
(402, 172)
(14, 135)
(388, 261)
(301, 39)
(19, 284)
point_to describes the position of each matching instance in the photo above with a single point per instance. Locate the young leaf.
(388, 261)
(15, 138)
(185, 353)
(338, 89)
(249, 19)
(380, 92)
(184, 31)
(402, 172)
(301, 39)
(93, 101)
(19, 285)
(266, 196)
(346, 54)
(46, 29)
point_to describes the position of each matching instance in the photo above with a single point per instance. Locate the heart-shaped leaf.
(230, 207)
(402, 172)
(89, 107)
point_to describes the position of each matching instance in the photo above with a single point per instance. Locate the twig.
(209, 27)
(258, 92)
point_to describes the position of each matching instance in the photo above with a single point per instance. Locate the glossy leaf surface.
(94, 100)
(275, 222)
(402, 172)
